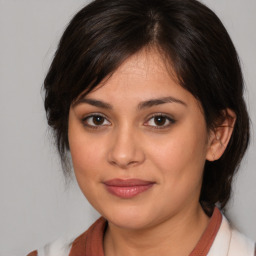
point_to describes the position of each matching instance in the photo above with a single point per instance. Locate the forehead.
(143, 75)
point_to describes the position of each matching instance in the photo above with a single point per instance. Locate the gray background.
(36, 206)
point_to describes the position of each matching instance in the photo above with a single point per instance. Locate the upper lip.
(127, 182)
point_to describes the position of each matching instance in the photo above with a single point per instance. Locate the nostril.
(124, 165)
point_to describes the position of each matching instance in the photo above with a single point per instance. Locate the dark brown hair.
(188, 34)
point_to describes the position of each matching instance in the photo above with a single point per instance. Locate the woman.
(147, 95)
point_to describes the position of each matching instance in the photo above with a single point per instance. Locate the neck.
(177, 235)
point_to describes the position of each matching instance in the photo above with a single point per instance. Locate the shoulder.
(67, 246)
(60, 247)
(230, 242)
(240, 243)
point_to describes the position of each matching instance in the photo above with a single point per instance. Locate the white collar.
(229, 242)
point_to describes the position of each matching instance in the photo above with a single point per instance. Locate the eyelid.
(93, 115)
(170, 119)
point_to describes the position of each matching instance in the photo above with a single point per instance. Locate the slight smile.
(127, 188)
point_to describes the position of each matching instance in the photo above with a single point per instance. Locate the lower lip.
(129, 191)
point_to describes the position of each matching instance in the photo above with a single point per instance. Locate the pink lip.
(127, 188)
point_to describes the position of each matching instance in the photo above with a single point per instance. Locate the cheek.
(181, 147)
(84, 157)
(87, 166)
(180, 163)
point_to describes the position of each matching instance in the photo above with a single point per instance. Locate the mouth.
(127, 188)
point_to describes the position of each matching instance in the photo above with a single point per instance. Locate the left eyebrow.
(159, 101)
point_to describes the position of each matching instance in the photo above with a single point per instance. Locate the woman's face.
(139, 144)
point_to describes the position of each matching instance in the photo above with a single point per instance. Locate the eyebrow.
(141, 105)
(93, 102)
(159, 101)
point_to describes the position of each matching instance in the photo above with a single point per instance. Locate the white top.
(229, 242)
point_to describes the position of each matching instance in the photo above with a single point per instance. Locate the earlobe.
(220, 136)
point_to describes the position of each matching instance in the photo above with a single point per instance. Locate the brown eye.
(98, 120)
(160, 121)
(95, 121)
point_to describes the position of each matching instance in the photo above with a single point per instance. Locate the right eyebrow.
(96, 103)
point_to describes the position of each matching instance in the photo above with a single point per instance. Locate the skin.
(128, 143)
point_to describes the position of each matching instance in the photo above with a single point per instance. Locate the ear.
(220, 136)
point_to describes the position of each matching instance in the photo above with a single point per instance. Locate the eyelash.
(85, 121)
(167, 118)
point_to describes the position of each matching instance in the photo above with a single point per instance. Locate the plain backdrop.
(36, 205)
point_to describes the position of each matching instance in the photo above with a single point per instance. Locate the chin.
(128, 222)
(133, 218)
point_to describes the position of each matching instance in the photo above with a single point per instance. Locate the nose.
(125, 149)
